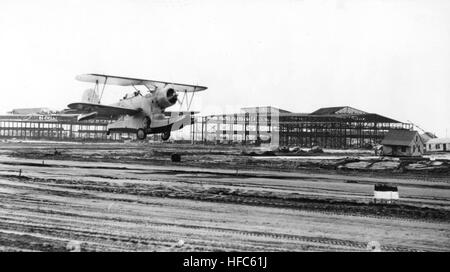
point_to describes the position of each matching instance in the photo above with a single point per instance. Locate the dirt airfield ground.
(131, 197)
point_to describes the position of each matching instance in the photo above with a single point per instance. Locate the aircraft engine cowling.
(166, 97)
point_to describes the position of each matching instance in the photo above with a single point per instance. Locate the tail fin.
(90, 96)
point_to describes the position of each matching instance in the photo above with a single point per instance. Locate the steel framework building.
(336, 127)
(53, 127)
(60, 127)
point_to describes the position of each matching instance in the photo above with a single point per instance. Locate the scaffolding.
(350, 129)
(55, 127)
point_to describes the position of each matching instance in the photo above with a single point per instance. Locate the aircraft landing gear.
(147, 121)
(140, 134)
(165, 136)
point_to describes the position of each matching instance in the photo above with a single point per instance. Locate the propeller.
(172, 96)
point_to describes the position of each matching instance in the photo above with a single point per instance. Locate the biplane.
(140, 112)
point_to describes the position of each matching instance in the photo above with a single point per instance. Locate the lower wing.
(179, 113)
(91, 110)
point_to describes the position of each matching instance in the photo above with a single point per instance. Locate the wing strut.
(103, 89)
(188, 100)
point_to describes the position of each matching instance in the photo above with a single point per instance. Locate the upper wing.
(100, 110)
(126, 81)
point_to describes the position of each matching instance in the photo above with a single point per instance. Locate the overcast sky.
(386, 57)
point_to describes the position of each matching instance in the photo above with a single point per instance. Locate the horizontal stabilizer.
(87, 116)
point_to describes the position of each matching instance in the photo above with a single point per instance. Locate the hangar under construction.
(335, 127)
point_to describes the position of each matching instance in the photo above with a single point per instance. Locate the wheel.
(140, 134)
(165, 136)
